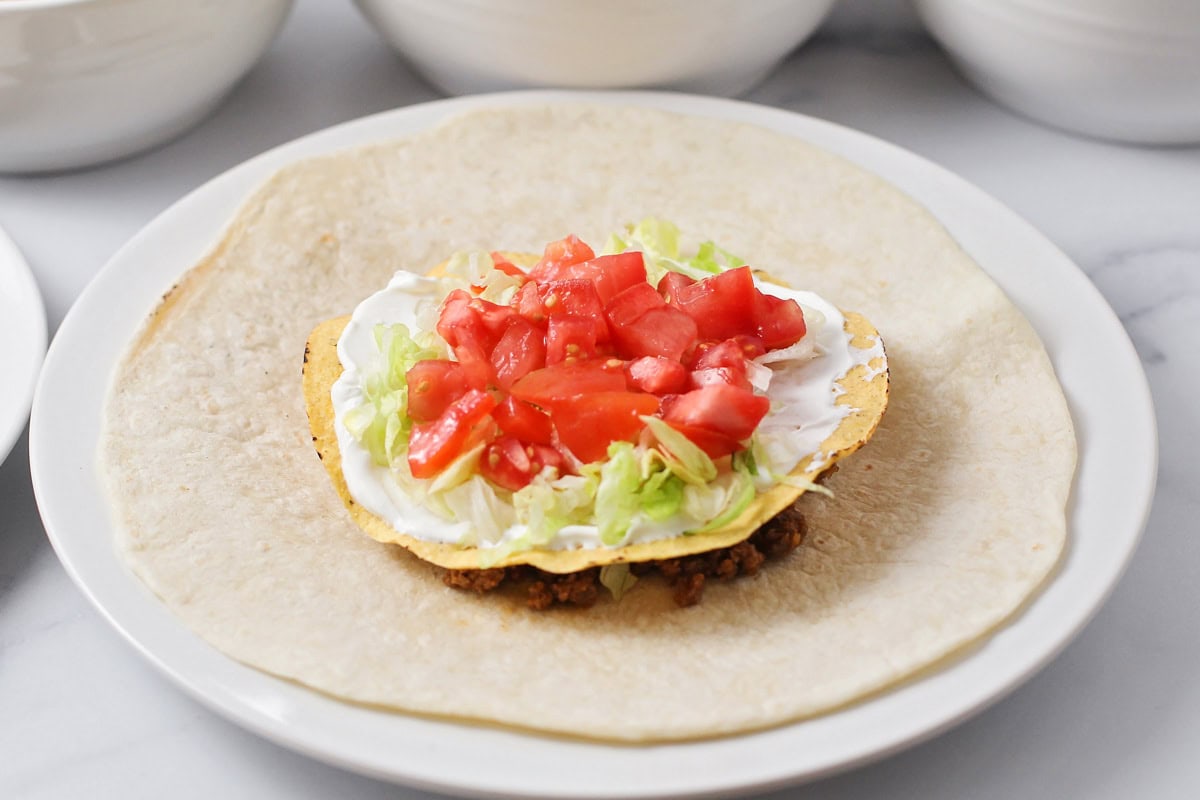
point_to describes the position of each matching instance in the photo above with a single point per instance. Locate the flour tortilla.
(940, 529)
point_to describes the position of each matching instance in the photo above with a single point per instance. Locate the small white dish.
(87, 81)
(1117, 69)
(1095, 361)
(710, 46)
(23, 334)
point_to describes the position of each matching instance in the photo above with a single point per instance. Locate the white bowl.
(85, 81)
(711, 46)
(1118, 69)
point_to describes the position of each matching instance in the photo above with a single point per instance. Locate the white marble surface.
(1116, 716)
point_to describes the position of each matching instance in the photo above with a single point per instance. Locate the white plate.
(23, 338)
(1095, 361)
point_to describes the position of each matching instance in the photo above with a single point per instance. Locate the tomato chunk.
(559, 256)
(779, 322)
(630, 304)
(731, 376)
(572, 296)
(505, 463)
(528, 303)
(665, 331)
(433, 445)
(720, 363)
(722, 306)
(433, 385)
(719, 408)
(713, 444)
(657, 375)
(722, 354)
(752, 346)
(543, 386)
(473, 355)
(569, 336)
(576, 298)
(671, 283)
(507, 267)
(611, 274)
(524, 421)
(466, 317)
(512, 464)
(588, 423)
(520, 350)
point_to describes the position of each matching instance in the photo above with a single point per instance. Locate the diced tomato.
(433, 445)
(472, 353)
(618, 272)
(671, 283)
(779, 322)
(433, 385)
(722, 354)
(544, 386)
(457, 318)
(657, 375)
(719, 363)
(547, 456)
(588, 423)
(507, 267)
(472, 322)
(528, 303)
(752, 346)
(560, 255)
(520, 350)
(630, 304)
(727, 375)
(720, 408)
(512, 464)
(495, 318)
(714, 444)
(505, 463)
(572, 296)
(524, 421)
(569, 336)
(722, 306)
(665, 331)
(612, 274)
(577, 298)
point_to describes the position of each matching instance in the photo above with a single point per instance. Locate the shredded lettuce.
(617, 578)
(381, 424)
(714, 259)
(476, 268)
(661, 495)
(739, 492)
(475, 501)
(680, 454)
(617, 494)
(658, 240)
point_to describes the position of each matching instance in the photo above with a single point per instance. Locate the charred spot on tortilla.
(864, 389)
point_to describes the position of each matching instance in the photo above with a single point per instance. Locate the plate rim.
(29, 332)
(253, 709)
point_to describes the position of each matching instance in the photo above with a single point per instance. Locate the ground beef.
(686, 576)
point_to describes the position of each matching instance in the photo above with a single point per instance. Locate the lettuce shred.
(658, 240)
(381, 423)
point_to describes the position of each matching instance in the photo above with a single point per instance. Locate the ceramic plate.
(1097, 365)
(23, 332)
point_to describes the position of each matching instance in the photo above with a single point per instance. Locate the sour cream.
(802, 387)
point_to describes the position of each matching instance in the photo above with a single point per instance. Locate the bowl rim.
(33, 5)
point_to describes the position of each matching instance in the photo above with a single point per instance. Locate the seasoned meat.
(686, 576)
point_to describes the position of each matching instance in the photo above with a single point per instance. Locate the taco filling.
(579, 410)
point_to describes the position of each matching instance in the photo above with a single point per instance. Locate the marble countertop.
(1117, 715)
